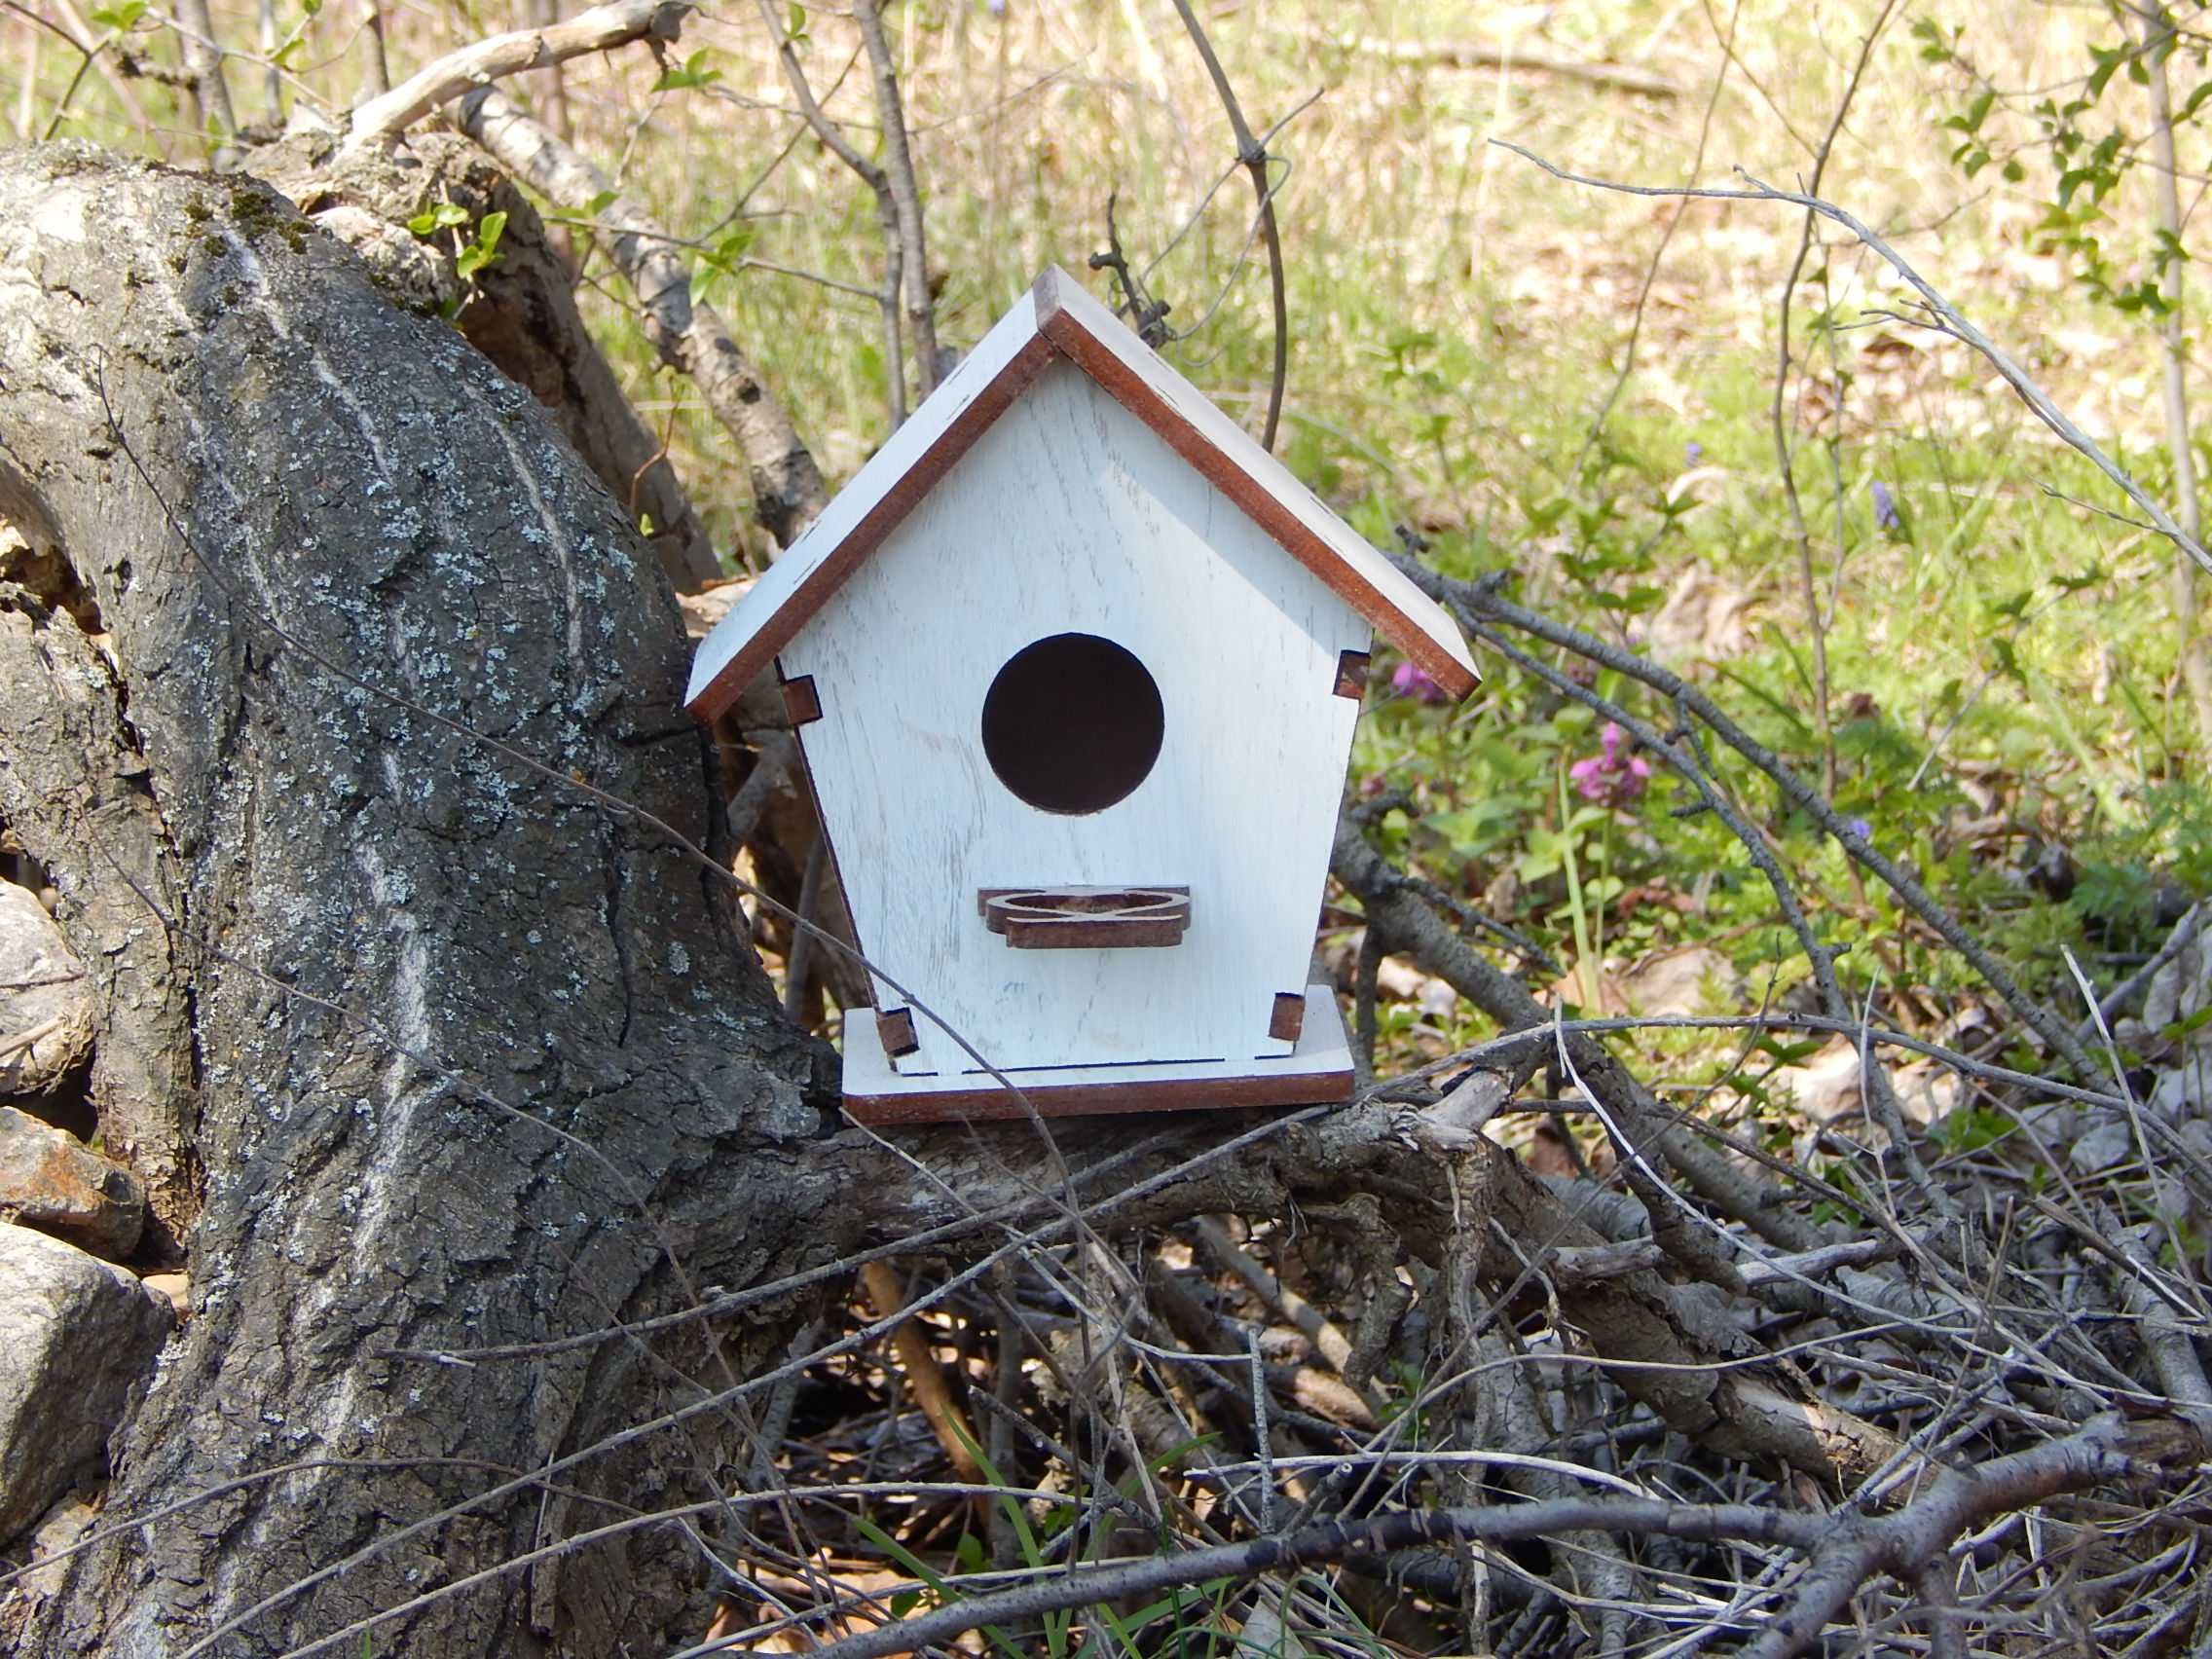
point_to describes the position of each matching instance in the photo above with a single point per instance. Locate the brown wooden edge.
(1351, 675)
(1099, 361)
(1153, 926)
(1084, 1099)
(803, 704)
(1289, 1016)
(895, 1028)
(956, 440)
(1074, 935)
(830, 845)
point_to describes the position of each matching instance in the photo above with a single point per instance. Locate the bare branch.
(906, 193)
(1254, 157)
(788, 490)
(1954, 322)
(204, 62)
(1474, 54)
(1843, 1554)
(878, 181)
(600, 29)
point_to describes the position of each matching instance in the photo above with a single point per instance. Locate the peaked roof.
(1057, 320)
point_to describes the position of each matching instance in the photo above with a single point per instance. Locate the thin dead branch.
(1510, 58)
(2110, 1452)
(904, 187)
(603, 28)
(1946, 317)
(1253, 156)
(788, 490)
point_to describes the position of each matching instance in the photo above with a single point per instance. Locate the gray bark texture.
(210, 418)
(520, 314)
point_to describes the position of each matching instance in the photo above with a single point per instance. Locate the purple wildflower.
(1610, 778)
(1411, 680)
(1693, 452)
(1886, 512)
(1858, 829)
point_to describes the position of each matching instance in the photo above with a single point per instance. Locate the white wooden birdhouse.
(1074, 665)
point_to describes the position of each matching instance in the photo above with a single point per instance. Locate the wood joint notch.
(803, 704)
(1289, 1016)
(895, 1029)
(1351, 675)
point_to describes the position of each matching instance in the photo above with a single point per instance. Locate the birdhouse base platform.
(1317, 1071)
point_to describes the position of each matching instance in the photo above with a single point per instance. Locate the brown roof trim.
(1087, 352)
(1061, 331)
(957, 439)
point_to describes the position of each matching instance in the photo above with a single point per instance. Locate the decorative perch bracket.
(1086, 918)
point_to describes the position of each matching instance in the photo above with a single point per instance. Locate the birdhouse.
(1073, 666)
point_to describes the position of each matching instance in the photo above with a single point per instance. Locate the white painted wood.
(884, 469)
(794, 582)
(1071, 515)
(1243, 450)
(1323, 1049)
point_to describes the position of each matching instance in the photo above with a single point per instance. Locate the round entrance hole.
(1072, 723)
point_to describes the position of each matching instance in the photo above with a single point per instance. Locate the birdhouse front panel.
(1080, 743)
(1074, 665)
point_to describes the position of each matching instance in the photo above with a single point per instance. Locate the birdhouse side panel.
(966, 747)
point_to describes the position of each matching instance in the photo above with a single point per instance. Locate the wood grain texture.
(894, 480)
(1318, 1071)
(1288, 1017)
(1056, 316)
(1070, 515)
(1232, 460)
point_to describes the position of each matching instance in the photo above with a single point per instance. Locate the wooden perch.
(787, 486)
(600, 29)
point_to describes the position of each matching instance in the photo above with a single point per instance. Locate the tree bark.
(214, 421)
(520, 313)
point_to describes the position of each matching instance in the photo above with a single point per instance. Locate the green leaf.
(119, 18)
(484, 249)
(690, 73)
(2108, 59)
(431, 220)
(727, 254)
(601, 202)
(794, 26)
